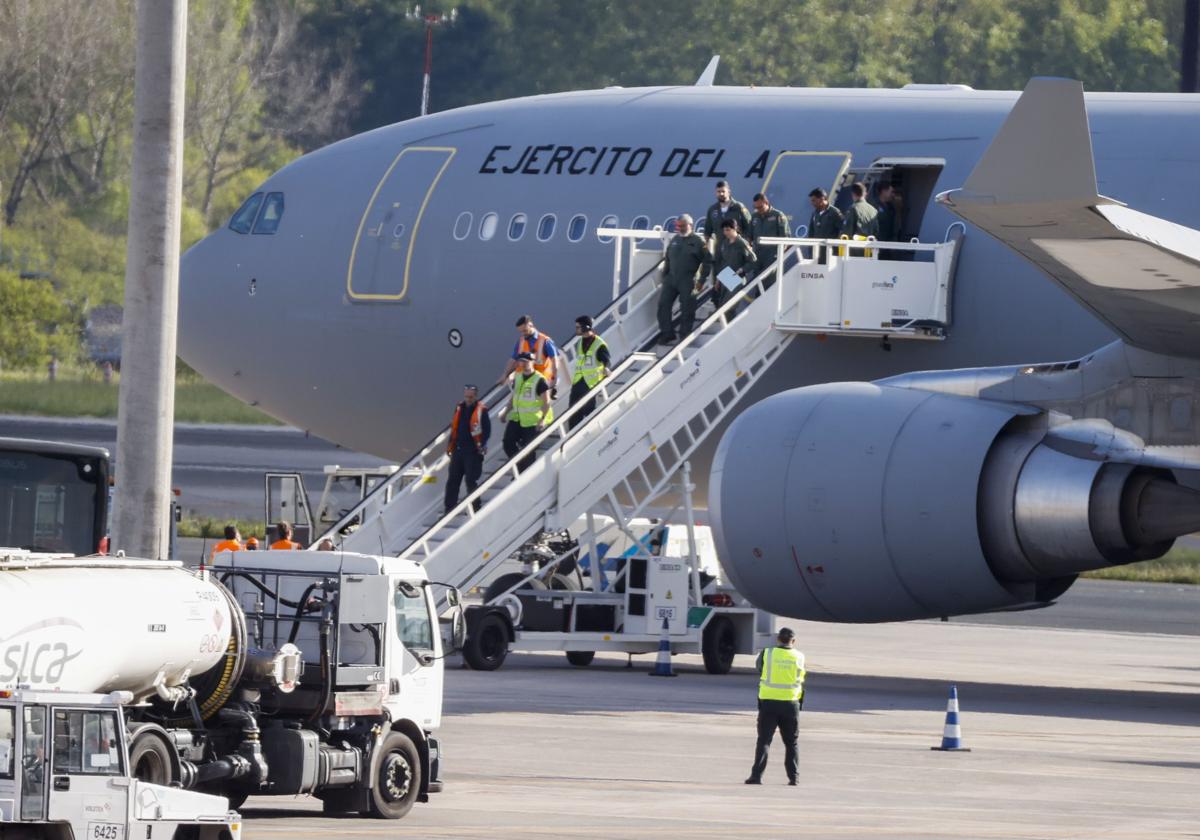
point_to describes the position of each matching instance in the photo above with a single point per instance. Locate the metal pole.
(685, 480)
(146, 404)
(1189, 62)
(429, 22)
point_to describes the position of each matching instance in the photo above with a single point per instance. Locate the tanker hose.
(301, 608)
(326, 671)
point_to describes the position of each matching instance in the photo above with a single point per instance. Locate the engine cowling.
(859, 502)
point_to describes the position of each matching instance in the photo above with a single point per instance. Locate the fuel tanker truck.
(267, 673)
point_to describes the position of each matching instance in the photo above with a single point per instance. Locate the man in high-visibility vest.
(780, 694)
(232, 542)
(530, 411)
(591, 365)
(470, 429)
(284, 531)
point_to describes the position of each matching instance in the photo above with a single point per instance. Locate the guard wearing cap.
(530, 411)
(780, 697)
(686, 256)
(591, 366)
(470, 429)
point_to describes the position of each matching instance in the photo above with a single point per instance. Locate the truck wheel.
(719, 645)
(487, 645)
(397, 777)
(581, 658)
(564, 583)
(151, 758)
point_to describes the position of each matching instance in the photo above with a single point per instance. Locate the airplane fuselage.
(397, 270)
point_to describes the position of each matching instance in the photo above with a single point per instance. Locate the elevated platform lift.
(630, 455)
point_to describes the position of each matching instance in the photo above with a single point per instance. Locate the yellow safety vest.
(526, 404)
(586, 366)
(782, 676)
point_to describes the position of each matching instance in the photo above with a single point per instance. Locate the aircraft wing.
(1035, 190)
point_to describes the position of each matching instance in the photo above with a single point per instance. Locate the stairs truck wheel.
(564, 582)
(396, 779)
(152, 757)
(487, 645)
(505, 582)
(719, 645)
(581, 658)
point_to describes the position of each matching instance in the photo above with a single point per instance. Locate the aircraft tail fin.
(1043, 152)
(710, 73)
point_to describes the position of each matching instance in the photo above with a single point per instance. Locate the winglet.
(1043, 152)
(710, 73)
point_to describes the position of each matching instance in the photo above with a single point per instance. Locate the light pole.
(430, 22)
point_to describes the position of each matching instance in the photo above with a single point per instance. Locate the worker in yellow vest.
(232, 542)
(530, 412)
(780, 696)
(592, 364)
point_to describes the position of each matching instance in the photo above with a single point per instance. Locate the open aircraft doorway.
(917, 177)
(382, 255)
(793, 175)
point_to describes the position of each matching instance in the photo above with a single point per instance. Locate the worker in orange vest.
(546, 358)
(251, 544)
(232, 542)
(469, 432)
(284, 531)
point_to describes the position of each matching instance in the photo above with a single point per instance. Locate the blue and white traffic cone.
(952, 734)
(662, 665)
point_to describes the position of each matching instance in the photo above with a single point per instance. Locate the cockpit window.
(272, 212)
(244, 217)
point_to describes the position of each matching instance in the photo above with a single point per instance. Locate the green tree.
(37, 324)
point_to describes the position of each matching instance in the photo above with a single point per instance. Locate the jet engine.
(857, 502)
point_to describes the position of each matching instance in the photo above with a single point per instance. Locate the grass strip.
(1179, 565)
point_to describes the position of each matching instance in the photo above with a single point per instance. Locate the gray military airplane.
(358, 289)
(958, 491)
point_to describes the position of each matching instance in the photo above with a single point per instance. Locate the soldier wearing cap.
(470, 429)
(530, 410)
(592, 364)
(687, 256)
(780, 697)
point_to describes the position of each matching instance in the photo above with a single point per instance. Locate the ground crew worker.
(825, 221)
(780, 697)
(546, 358)
(686, 256)
(283, 530)
(470, 429)
(251, 543)
(766, 221)
(725, 207)
(860, 216)
(735, 253)
(232, 542)
(591, 366)
(530, 411)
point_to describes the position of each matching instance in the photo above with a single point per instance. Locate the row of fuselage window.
(577, 226)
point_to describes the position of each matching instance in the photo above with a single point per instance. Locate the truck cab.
(64, 772)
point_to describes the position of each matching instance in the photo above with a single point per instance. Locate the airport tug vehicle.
(267, 673)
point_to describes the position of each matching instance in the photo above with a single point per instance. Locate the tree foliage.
(37, 323)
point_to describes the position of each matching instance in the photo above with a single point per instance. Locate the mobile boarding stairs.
(653, 411)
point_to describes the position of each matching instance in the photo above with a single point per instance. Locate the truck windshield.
(53, 500)
(8, 742)
(413, 624)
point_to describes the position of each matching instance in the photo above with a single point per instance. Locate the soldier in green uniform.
(887, 221)
(825, 221)
(686, 255)
(860, 217)
(766, 221)
(735, 253)
(725, 207)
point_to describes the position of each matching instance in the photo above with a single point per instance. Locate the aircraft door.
(793, 175)
(381, 260)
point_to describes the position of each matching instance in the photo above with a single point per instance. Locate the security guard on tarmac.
(591, 365)
(780, 697)
(530, 411)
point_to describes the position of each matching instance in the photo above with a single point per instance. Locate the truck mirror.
(459, 629)
(453, 598)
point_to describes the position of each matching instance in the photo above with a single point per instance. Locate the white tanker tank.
(99, 625)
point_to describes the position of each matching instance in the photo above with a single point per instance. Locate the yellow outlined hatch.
(390, 223)
(802, 176)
